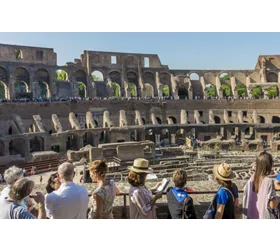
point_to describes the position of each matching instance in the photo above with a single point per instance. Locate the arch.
(165, 90)
(240, 78)
(211, 90)
(116, 89)
(158, 120)
(44, 89)
(257, 92)
(21, 87)
(42, 75)
(217, 119)
(225, 78)
(17, 146)
(182, 92)
(81, 76)
(149, 90)
(143, 120)
(209, 78)
(36, 144)
(22, 74)
(132, 77)
(82, 89)
(97, 76)
(271, 77)
(275, 119)
(3, 75)
(273, 92)
(61, 75)
(150, 135)
(241, 90)
(174, 120)
(262, 119)
(149, 77)
(164, 78)
(2, 148)
(4, 91)
(194, 76)
(115, 76)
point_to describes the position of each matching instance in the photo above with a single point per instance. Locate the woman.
(142, 203)
(53, 183)
(105, 192)
(180, 204)
(260, 200)
(227, 196)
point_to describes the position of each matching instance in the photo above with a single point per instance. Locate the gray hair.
(66, 171)
(12, 174)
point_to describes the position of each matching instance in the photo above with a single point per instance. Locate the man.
(70, 201)
(10, 207)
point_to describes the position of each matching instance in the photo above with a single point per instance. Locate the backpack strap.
(184, 206)
(233, 199)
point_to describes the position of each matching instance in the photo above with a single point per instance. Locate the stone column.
(11, 87)
(157, 139)
(173, 139)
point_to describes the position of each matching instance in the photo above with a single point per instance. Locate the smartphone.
(163, 185)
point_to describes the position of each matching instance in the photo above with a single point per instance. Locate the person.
(227, 196)
(41, 179)
(259, 198)
(10, 207)
(69, 201)
(142, 202)
(180, 204)
(105, 192)
(53, 183)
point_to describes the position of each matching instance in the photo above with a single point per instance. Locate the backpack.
(188, 209)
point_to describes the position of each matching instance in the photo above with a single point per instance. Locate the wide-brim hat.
(140, 165)
(223, 172)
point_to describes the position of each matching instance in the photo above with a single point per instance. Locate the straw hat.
(223, 172)
(140, 165)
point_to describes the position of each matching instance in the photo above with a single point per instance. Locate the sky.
(177, 50)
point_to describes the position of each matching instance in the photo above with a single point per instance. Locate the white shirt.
(70, 201)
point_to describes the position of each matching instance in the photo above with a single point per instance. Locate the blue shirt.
(278, 177)
(223, 196)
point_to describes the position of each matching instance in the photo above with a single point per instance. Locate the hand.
(158, 195)
(156, 186)
(39, 198)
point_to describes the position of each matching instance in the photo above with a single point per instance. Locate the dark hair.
(180, 178)
(136, 179)
(264, 164)
(226, 184)
(99, 167)
(51, 182)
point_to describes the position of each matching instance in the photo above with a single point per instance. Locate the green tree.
(272, 92)
(241, 89)
(96, 78)
(226, 90)
(165, 90)
(116, 89)
(132, 88)
(211, 91)
(61, 75)
(82, 89)
(225, 79)
(257, 92)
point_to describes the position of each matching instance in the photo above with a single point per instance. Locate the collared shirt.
(70, 201)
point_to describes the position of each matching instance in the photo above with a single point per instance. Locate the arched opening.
(180, 137)
(165, 90)
(143, 120)
(164, 137)
(149, 78)
(273, 92)
(226, 90)
(262, 120)
(44, 89)
(150, 136)
(133, 89)
(217, 120)
(81, 76)
(158, 120)
(271, 77)
(61, 75)
(2, 148)
(10, 131)
(257, 92)
(82, 90)
(36, 144)
(17, 147)
(116, 90)
(210, 91)
(88, 139)
(22, 82)
(21, 87)
(149, 90)
(4, 92)
(194, 77)
(241, 90)
(97, 76)
(247, 131)
(225, 78)
(164, 78)
(173, 120)
(275, 119)
(225, 84)
(182, 92)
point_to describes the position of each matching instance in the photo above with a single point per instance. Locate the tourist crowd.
(67, 200)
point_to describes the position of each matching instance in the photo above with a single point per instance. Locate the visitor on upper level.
(180, 204)
(105, 192)
(11, 175)
(226, 199)
(11, 208)
(142, 202)
(69, 201)
(259, 199)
